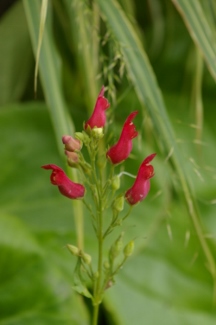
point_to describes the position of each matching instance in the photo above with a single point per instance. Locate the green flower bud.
(118, 204)
(72, 158)
(83, 137)
(129, 248)
(115, 182)
(106, 265)
(109, 284)
(97, 133)
(73, 250)
(116, 247)
(86, 258)
(96, 275)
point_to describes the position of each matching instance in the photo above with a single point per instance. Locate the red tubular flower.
(141, 186)
(121, 150)
(98, 118)
(66, 186)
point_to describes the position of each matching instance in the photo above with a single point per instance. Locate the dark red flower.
(141, 186)
(121, 150)
(98, 118)
(66, 186)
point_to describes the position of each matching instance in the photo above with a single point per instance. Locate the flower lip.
(130, 126)
(149, 158)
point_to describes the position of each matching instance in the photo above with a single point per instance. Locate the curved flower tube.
(98, 118)
(65, 185)
(121, 150)
(141, 186)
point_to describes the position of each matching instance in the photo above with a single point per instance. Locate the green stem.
(97, 292)
(95, 315)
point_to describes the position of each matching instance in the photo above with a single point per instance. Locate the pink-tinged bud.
(72, 158)
(70, 143)
(121, 150)
(66, 186)
(98, 118)
(141, 186)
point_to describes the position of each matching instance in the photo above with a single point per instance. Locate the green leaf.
(35, 225)
(31, 290)
(166, 282)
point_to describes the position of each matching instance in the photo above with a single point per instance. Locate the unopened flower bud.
(109, 284)
(96, 275)
(83, 137)
(72, 158)
(97, 133)
(70, 143)
(116, 247)
(115, 182)
(86, 258)
(106, 265)
(118, 204)
(129, 248)
(73, 249)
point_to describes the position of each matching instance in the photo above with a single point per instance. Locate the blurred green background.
(155, 56)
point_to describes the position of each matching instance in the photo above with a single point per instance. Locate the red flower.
(66, 186)
(141, 186)
(98, 118)
(121, 150)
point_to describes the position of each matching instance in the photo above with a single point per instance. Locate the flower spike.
(66, 186)
(141, 186)
(98, 118)
(121, 150)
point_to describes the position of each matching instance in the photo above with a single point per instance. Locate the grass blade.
(50, 73)
(200, 30)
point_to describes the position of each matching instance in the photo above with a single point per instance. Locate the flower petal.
(66, 186)
(98, 117)
(141, 186)
(122, 149)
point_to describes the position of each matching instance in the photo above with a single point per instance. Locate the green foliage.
(144, 54)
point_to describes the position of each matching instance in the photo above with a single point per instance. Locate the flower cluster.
(91, 164)
(116, 154)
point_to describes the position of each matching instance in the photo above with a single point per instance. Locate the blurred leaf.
(167, 282)
(16, 59)
(200, 30)
(32, 291)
